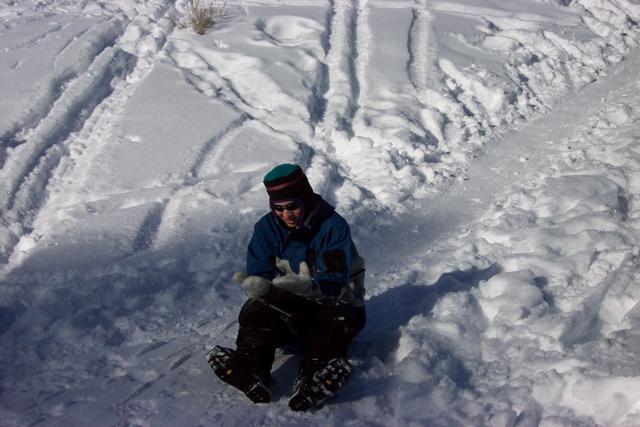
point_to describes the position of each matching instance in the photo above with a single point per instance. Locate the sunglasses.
(288, 207)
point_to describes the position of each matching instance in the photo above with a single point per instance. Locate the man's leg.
(324, 368)
(262, 330)
(248, 368)
(331, 330)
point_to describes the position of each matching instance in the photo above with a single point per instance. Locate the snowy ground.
(486, 153)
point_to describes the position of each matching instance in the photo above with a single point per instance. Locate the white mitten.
(299, 284)
(283, 266)
(254, 286)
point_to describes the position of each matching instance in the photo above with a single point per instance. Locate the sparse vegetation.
(201, 15)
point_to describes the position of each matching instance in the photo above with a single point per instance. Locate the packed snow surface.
(486, 153)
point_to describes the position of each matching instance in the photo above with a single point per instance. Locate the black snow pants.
(322, 331)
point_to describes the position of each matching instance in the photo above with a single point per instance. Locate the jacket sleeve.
(260, 256)
(333, 259)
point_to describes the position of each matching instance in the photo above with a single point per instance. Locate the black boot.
(235, 371)
(318, 381)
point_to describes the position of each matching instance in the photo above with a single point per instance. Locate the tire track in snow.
(343, 90)
(213, 149)
(420, 69)
(149, 228)
(36, 40)
(345, 41)
(372, 144)
(147, 47)
(207, 79)
(316, 104)
(27, 169)
(169, 215)
(360, 58)
(151, 347)
(157, 229)
(181, 360)
(100, 37)
(81, 114)
(346, 126)
(419, 65)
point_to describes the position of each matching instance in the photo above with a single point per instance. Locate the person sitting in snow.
(305, 285)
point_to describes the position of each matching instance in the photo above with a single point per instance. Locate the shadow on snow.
(388, 312)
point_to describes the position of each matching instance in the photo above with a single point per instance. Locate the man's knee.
(349, 320)
(255, 313)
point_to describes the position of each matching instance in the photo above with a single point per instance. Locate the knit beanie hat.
(287, 182)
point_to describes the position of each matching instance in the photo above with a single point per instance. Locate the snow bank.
(545, 328)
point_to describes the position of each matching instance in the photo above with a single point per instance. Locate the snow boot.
(313, 388)
(235, 371)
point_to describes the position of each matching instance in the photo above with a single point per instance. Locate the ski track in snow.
(473, 306)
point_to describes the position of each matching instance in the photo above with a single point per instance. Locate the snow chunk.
(511, 297)
(574, 195)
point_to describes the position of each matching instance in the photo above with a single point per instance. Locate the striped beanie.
(287, 182)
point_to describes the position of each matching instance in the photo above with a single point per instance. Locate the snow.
(486, 154)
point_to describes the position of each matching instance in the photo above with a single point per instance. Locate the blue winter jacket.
(323, 241)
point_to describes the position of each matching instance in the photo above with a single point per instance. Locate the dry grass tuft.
(200, 15)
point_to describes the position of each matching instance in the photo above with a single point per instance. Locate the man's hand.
(299, 284)
(254, 286)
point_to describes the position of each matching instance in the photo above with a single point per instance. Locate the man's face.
(289, 212)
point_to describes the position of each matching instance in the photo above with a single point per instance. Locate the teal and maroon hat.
(287, 182)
